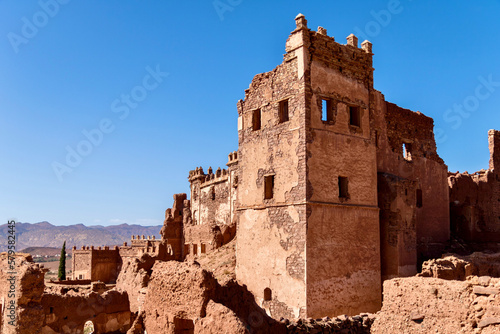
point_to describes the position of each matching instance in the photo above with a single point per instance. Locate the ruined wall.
(398, 231)
(272, 231)
(68, 312)
(343, 255)
(475, 198)
(23, 286)
(406, 149)
(172, 230)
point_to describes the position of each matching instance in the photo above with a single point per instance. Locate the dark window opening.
(195, 249)
(203, 249)
(268, 294)
(212, 190)
(326, 110)
(283, 111)
(419, 198)
(51, 310)
(269, 186)
(343, 187)
(407, 151)
(256, 119)
(355, 116)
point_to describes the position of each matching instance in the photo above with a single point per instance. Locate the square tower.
(308, 232)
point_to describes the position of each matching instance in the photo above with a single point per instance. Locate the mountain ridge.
(44, 234)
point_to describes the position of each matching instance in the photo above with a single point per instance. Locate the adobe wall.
(343, 254)
(475, 198)
(172, 230)
(398, 220)
(271, 233)
(106, 265)
(25, 291)
(392, 128)
(68, 312)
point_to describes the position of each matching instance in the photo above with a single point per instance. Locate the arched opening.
(268, 294)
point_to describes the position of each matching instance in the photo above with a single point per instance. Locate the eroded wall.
(475, 200)
(406, 149)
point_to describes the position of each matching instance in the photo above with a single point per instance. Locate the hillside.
(45, 234)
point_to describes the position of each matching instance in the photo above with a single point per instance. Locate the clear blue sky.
(84, 65)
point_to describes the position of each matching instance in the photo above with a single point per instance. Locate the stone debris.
(431, 305)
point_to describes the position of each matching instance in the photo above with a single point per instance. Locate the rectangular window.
(203, 249)
(283, 111)
(195, 249)
(327, 110)
(407, 151)
(354, 116)
(256, 120)
(419, 198)
(269, 186)
(186, 249)
(343, 187)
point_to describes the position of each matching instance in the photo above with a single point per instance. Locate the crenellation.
(352, 40)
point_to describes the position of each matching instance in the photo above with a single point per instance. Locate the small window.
(203, 249)
(186, 249)
(268, 294)
(355, 116)
(212, 193)
(327, 110)
(269, 186)
(343, 187)
(51, 310)
(256, 120)
(283, 111)
(407, 151)
(80, 276)
(195, 249)
(419, 198)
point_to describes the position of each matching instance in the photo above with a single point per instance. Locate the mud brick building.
(332, 190)
(338, 188)
(96, 264)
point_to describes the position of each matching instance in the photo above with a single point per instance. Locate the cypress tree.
(62, 263)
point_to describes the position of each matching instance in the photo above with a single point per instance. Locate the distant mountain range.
(45, 234)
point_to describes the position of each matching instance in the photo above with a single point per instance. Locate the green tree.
(62, 263)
